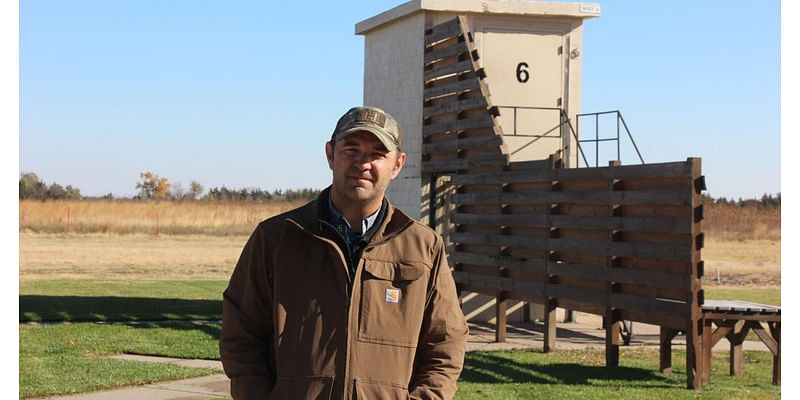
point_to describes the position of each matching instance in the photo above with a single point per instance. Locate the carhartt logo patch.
(392, 295)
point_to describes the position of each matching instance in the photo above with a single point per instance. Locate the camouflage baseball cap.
(372, 120)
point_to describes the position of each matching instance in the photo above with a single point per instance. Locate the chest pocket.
(392, 302)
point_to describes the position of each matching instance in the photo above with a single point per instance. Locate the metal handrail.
(564, 119)
(597, 138)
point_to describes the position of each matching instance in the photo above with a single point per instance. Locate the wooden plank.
(648, 305)
(578, 197)
(450, 69)
(462, 144)
(622, 275)
(452, 50)
(455, 87)
(498, 261)
(498, 282)
(482, 121)
(600, 248)
(463, 163)
(657, 170)
(721, 316)
(538, 220)
(455, 106)
(442, 31)
(503, 177)
(577, 294)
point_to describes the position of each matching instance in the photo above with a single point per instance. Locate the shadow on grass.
(489, 368)
(37, 308)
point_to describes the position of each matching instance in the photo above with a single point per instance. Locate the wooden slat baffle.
(460, 130)
(619, 241)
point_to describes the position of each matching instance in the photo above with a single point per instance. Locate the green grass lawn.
(67, 358)
(581, 374)
(771, 296)
(71, 300)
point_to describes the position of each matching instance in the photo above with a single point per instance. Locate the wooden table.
(733, 320)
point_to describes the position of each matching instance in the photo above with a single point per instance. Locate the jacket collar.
(311, 216)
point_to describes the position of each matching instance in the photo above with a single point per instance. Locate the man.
(345, 297)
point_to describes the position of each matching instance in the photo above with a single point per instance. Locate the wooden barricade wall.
(619, 241)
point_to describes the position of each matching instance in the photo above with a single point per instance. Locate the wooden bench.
(733, 320)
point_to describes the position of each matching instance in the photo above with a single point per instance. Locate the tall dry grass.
(733, 222)
(146, 217)
(723, 222)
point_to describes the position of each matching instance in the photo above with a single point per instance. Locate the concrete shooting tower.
(530, 53)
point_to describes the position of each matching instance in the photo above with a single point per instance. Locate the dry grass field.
(202, 240)
(146, 217)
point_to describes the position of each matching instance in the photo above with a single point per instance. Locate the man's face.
(362, 167)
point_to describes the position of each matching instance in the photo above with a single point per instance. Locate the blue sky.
(242, 93)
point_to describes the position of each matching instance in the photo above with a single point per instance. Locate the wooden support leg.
(775, 329)
(665, 349)
(735, 337)
(708, 329)
(550, 325)
(694, 346)
(612, 341)
(500, 319)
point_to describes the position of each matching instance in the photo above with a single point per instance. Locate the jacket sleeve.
(443, 340)
(246, 340)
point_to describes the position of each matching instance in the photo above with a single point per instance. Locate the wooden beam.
(629, 197)
(640, 224)
(463, 163)
(463, 144)
(656, 171)
(455, 87)
(647, 304)
(443, 31)
(528, 265)
(765, 337)
(593, 247)
(471, 103)
(483, 121)
(452, 50)
(449, 69)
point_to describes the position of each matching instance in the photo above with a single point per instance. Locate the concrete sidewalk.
(587, 332)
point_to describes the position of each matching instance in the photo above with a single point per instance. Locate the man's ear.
(398, 164)
(329, 154)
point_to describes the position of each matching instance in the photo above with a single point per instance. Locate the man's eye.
(378, 155)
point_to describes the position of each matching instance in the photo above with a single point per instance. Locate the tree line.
(154, 187)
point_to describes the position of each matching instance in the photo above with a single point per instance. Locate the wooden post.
(775, 330)
(550, 325)
(612, 340)
(500, 318)
(694, 325)
(708, 329)
(612, 319)
(666, 335)
(736, 338)
(551, 303)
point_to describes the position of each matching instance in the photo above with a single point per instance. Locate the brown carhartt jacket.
(295, 326)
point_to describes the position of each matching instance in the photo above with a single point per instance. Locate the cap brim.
(385, 139)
